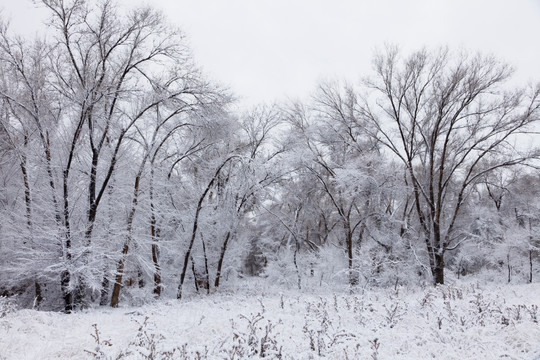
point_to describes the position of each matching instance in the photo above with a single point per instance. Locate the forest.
(127, 175)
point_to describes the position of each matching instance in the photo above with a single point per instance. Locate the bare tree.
(112, 71)
(450, 121)
(30, 116)
(168, 123)
(342, 159)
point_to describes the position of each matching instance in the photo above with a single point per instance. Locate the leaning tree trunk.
(121, 263)
(190, 247)
(195, 226)
(206, 272)
(221, 258)
(119, 274)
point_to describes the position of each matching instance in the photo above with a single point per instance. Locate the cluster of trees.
(123, 167)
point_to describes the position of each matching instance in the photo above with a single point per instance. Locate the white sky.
(267, 50)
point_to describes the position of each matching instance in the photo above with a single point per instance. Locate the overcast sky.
(271, 49)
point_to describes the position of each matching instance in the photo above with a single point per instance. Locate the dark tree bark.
(221, 258)
(121, 263)
(442, 117)
(28, 204)
(530, 266)
(206, 272)
(154, 233)
(196, 225)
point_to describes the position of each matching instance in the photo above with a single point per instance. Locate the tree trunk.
(140, 277)
(195, 226)
(438, 269)
(295, 261)
(67, 294)
(530, 266)
(47, 145)
(104, 291)
(121, 263)
(221, 257)
(154, 233)
(39, 296)
(66, 275)
(530, 251)
(188, 253)
(157, 270)
(509, 267)
(28, 202)
(195, 275)
(118, 278)
(207, 273)
(353, 277)
(57, 215)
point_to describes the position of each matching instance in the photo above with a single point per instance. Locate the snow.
(466, 321)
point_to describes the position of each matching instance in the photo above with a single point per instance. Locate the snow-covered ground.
(448, 322)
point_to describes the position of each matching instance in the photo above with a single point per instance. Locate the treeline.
(123, 167)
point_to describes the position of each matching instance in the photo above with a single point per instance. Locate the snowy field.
(449, 322)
